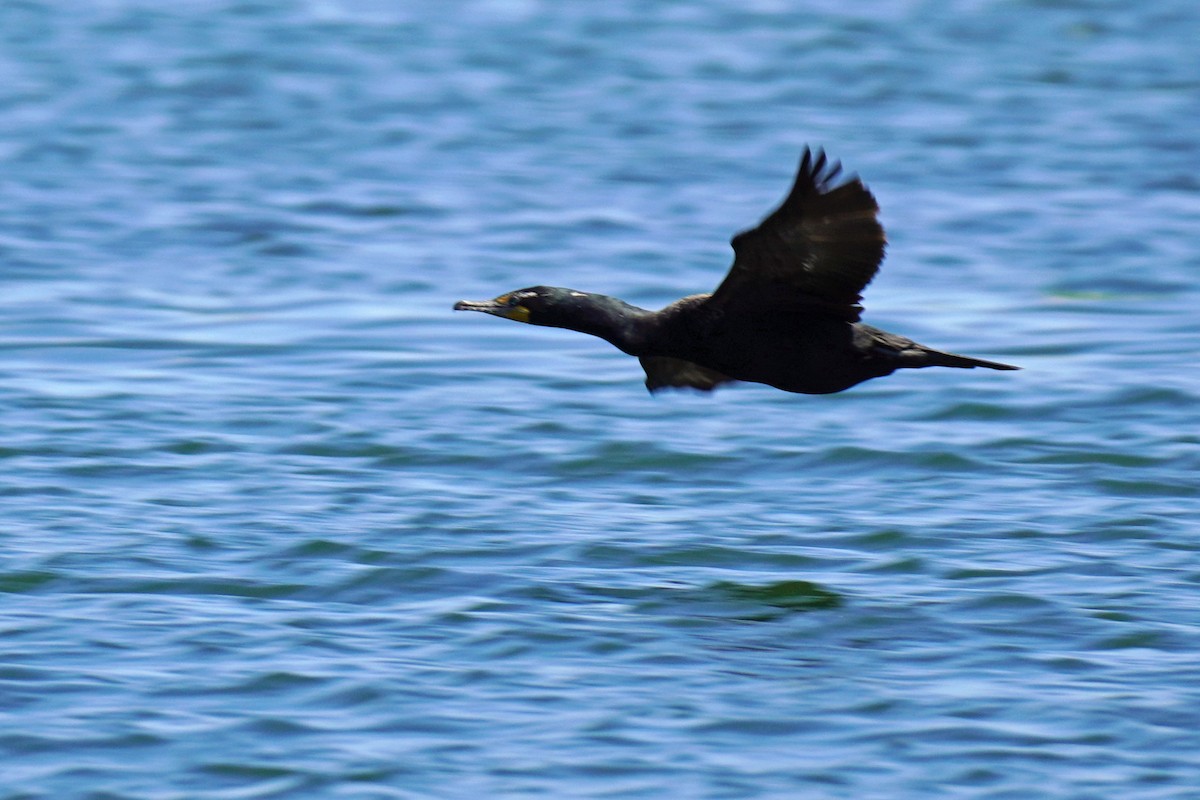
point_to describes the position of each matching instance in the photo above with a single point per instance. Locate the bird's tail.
(936, 358)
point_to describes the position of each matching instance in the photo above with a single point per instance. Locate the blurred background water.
(276, 523)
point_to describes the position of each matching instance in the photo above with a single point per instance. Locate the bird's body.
(786, 315)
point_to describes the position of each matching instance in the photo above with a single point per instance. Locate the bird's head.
(537, 305)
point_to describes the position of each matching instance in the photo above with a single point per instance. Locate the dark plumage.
(787, 314)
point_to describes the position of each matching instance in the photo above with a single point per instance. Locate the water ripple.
(278, 524)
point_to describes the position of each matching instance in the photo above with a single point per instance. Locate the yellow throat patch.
(519, 313)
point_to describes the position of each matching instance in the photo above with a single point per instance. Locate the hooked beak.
(486, 306)
(498, 307)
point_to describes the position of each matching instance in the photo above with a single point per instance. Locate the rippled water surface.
(276, 523)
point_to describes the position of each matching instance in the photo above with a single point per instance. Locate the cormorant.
(786, 315)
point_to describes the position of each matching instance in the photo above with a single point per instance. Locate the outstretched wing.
(663, 372)
(821, 248)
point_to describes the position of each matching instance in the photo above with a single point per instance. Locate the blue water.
(276, 523)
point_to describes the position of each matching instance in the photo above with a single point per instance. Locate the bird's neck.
(617, 322)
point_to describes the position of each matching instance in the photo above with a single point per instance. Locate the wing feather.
(663, 372)
(820, 247)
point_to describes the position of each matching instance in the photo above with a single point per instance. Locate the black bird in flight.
(786, 315)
